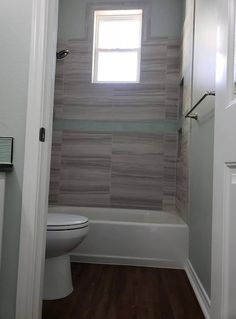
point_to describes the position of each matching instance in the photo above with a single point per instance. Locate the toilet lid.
(57, 221)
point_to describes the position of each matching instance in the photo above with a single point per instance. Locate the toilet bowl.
(64, 233)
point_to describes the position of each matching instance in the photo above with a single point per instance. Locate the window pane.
(122, 34)
(117, 66)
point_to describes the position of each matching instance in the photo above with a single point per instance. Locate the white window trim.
(113, 15)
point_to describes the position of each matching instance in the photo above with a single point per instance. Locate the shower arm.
(62, 54)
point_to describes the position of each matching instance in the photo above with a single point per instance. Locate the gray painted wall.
(167, 17)
(15, 25)
(201, 143)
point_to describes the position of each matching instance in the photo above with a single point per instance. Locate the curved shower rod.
(195, 116)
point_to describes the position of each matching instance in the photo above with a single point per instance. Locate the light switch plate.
(6, 153)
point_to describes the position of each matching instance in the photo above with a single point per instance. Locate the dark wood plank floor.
(123, 292)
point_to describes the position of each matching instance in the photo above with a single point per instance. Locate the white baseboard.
(122, 260)
(199, 290)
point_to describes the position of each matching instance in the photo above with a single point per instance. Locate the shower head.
(62, 54)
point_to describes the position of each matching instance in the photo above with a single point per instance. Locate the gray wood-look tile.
(131, 170)
(85, 169)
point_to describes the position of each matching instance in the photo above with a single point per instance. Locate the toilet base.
(57, 278)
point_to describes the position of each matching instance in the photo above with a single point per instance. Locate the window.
(117, 46)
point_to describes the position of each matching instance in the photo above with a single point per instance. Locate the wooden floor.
(123, 292)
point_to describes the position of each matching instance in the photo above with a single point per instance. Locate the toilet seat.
(60, 222)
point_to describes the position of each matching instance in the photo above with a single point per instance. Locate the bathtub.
(131, 237)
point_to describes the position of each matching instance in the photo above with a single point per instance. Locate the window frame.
(111, 15)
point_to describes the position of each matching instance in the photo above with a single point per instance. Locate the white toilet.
(64, 233)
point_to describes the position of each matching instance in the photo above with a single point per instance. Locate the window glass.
(117, 46)
(122, 34)
(124, 68)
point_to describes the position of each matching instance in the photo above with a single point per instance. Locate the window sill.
(113, 82)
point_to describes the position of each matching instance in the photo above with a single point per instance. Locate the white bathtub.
(131, 237)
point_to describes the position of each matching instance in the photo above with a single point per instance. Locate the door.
(223, 292)
(37, 160)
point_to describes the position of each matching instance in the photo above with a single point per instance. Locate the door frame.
(37, 159)
(220, 274)
(37, 164)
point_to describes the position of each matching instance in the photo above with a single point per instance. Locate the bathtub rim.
(176, 222)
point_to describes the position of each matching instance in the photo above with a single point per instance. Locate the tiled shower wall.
(182, 194)
(115, 145)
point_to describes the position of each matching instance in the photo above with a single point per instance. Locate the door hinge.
(42, 134)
